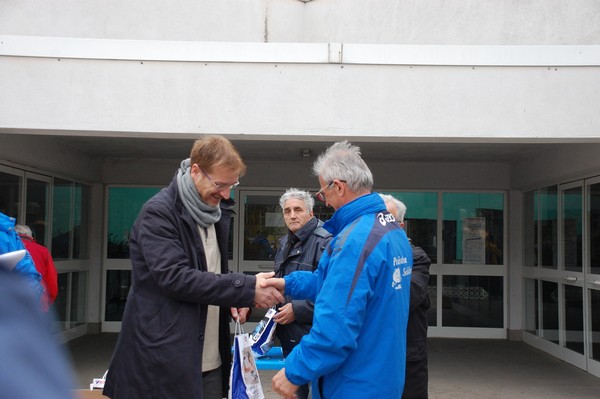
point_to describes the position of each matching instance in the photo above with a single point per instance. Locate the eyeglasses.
(320, 195)
(220, 186)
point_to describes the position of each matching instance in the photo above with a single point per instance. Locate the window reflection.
(432, 293)
(572, 225)
(531, 306)
(10, 194)
(118, 283)
(70, 220)
(420, 222)
(548, 217)
(78, 299)
(531, 228)
(37, 209)
(60, 305)
(595, 324)
(472, 301)
(81, 217)
(549, 311)
(594, 226)
(61, 218)
(574, 318)
(124, 205)
(473, 228)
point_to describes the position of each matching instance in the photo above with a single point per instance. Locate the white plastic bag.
(244, 381)
(263, 336)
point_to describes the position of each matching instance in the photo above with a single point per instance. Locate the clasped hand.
(269, 290)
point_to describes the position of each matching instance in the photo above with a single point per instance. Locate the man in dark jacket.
(300, 249)
(175, 338)
(416, 383)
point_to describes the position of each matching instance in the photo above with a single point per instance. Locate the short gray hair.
(400, 207)
(343, 161)
(294, 193)
(23, 229)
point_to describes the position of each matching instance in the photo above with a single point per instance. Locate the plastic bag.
(263, 336)
(244, 381)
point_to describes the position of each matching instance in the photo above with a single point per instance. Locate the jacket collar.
(306, 230)
(366, 204)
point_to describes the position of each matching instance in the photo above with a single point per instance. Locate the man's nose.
(225, 193)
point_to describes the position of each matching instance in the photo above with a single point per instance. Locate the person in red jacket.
(43, 263)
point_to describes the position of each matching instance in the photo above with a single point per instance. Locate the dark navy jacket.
(416, 335)
(304, 255)
(159, 350)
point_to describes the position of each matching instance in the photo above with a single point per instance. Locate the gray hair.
(23, 229)
(400, 207)
(294, 193)
(343, 161)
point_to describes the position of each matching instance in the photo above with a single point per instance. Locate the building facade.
(480, 115)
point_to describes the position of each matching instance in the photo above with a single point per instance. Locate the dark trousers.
(302, 392)
(415, 384)
(211, 384)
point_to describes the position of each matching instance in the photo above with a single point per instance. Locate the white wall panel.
(511, 22)
(407, 102)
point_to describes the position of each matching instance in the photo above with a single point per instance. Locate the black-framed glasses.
(220, 186)
(320, 195)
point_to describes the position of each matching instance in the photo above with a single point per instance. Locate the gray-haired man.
(300, 249)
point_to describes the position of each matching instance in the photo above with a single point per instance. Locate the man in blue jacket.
(357, 345)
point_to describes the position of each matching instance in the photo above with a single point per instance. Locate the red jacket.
(44, 265)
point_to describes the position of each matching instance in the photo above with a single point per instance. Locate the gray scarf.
(204, 215)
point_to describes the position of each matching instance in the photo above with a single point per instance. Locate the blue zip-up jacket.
(361, 288)
(9, 242)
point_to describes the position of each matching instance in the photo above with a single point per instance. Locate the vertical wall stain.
(266, 35)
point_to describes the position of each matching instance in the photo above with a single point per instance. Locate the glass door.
(37, 207)
(571, 278)
(11, 192)
(471, 277)
(592, 276)
(555, 305)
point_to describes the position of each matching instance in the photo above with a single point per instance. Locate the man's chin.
(214, 202)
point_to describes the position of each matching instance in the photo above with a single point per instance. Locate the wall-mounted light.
(306, 153)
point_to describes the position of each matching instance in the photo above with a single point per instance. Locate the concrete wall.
(387, 175)
(43, 155)
(473, 22)
(322, 100)
(555, 166)
(141, 72)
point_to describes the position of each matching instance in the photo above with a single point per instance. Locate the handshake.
(269, 290)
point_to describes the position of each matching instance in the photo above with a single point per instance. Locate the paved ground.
(458, 368)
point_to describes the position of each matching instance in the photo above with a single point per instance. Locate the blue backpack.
(9, 242)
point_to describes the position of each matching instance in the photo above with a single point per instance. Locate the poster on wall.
(474, 240)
